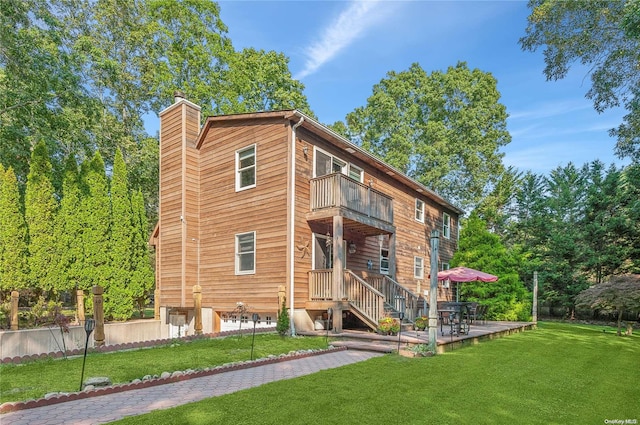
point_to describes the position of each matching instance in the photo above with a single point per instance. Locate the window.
(246, 253)
(246, 168)
(446, 225)
(444, 266)
(384, 260)
(356, 173)
(327, 164)
(419, 210)
(418, 267)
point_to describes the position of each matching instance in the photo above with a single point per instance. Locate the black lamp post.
(255, 319)
(89, 325)
(401, 309)
(401, 317)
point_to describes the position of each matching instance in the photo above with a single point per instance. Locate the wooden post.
(433, 293)
(281, 296)
(98, 315)
(338, 270)
(80, 305)
(534, 309)
(156, 304)
(15, 296)
(197, 305)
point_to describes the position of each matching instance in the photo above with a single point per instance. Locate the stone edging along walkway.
(174, 377)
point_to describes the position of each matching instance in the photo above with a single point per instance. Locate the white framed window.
(418, 267)
(384, 260)
(419, 210)
(246, 253)
(356, 173)
(325, 163)
(446, 225)
(246, 168)
(444, 266)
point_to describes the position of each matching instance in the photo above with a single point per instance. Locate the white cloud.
(349, 25)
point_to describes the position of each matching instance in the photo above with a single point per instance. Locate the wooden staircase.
(379, 296)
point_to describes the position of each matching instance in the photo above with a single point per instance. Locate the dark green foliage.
(68, 232)
(13, 236)
(444, 129)
(142, 278)
(95, 208)
(40, 210)
(283, 319)
(603, 36)
(480, 249)
(120, 296)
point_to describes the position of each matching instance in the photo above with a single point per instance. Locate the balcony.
(352, 199)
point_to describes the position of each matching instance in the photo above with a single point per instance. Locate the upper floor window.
(246, 168)
(328, 164)
(246, 253)
(356, 173)
(446, 225)
(418, 267)
(444, 266)
(419, 210)
(384, 260)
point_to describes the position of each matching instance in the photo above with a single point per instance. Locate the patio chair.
(472, 311)
(481, 312)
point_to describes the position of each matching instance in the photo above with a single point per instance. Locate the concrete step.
(366, 346)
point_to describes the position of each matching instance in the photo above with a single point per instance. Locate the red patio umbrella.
(465, 274)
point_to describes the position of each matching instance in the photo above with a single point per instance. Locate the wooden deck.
(478, 332)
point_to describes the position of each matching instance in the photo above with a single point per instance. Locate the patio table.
(457, 312)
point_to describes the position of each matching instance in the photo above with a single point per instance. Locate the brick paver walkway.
(111, 407)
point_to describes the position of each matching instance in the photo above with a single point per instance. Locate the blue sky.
(340, 49)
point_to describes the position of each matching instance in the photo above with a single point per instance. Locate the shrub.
(283, 319)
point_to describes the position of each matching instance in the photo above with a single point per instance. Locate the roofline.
(313, 125)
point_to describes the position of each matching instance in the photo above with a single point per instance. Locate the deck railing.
(338, 190)
(395, 294)
(364, 297)
(320, 285)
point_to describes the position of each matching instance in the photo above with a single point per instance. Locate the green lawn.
(558, 374)
(35, 379)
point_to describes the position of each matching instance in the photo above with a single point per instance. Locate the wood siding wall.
(225, 213)
(178, 213)
(412, 236)
(199, 185)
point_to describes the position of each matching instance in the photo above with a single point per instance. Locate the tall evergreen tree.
(96, 220)
(605, 227)
(40, 210)
(142, 279)
(478, 248)
(120, 294)
(563, 276)
(68, 231)
(13, 235)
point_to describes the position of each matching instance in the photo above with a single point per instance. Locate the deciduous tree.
(444, 129)
(618, 294)
(603, 35)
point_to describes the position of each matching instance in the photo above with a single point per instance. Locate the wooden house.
(263, 207)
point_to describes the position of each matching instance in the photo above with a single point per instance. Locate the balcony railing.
(339, 191)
